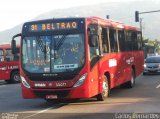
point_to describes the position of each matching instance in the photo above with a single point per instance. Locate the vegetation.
(154, 43)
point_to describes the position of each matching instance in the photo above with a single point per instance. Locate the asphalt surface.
(143, 98)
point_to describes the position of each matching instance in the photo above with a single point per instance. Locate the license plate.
(51, 97)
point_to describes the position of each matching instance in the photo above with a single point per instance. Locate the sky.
(15, 12)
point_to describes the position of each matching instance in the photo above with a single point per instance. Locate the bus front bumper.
(78, 92)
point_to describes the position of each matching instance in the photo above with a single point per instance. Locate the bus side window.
(93, 40)
(9, 55)
(134, 40)
(128, 42)
(121, 38)
(105, 44)
(94, 50)
(93, 44)
(139, 40)
(113, 40)
(1, 56)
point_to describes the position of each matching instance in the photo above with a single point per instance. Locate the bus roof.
(93, 19)
(55, 19)
(112, 23)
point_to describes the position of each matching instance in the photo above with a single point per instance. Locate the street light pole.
(141, 27)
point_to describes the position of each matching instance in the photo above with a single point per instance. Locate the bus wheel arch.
(105, 91)
(130, 83)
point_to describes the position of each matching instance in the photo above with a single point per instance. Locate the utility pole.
(140, 23)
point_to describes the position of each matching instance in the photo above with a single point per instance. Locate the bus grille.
(60, 93)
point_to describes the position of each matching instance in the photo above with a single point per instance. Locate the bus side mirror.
(15, 50)
(13, 46)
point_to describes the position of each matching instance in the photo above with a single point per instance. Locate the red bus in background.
(9, 65)
(78, 57)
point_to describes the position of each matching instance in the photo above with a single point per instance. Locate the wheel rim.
(105, 88)
(132, 80)
(16, 78)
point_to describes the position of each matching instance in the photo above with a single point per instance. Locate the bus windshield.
(53, 54)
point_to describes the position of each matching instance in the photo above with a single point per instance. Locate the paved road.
(143, 98)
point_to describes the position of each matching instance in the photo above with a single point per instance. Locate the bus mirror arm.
(15, 50)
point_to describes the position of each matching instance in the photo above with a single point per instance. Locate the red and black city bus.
(9, 64)
(78, 57)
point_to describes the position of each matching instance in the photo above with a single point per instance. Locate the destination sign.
(53, 26)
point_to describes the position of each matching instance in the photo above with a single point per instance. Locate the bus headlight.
(24, 82)
(145, 65)
(81, 80)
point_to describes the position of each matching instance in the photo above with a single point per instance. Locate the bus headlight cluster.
(24, 82)
(81, 80)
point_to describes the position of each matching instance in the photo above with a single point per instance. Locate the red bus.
(9, 65)
(78, 57)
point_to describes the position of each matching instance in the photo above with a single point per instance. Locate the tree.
(155, 43)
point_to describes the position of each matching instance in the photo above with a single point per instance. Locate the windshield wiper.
(41, 45)
(61, 41)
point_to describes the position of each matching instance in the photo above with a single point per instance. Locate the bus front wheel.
(15, 77)
(105, 90)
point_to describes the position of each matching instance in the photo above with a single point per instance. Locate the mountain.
(120, 11)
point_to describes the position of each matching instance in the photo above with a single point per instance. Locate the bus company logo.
(13, 67)
(132, 59)
(50, 75)
(112, 62)
(40, 85)
(63, 84)
(3, 68)
(50, 84)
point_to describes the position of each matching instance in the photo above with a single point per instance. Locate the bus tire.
(131, 83)
(105, 91)
(15, 77)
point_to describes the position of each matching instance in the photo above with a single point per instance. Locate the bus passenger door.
(94, 56)
(123, 56)
(114, 62)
